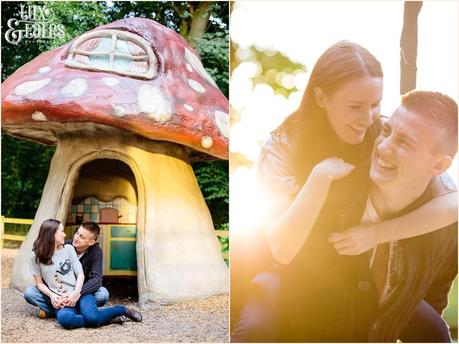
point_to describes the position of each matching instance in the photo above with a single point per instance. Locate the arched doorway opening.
(106, 193)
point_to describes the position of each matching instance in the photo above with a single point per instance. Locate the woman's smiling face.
(353, 107)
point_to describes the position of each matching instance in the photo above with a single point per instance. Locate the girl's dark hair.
(43, 246)
(340, 63)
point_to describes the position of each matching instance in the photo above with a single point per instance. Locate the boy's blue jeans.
(86, 314)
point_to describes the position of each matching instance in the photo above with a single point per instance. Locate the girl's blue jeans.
(86, 314)
(36, 298)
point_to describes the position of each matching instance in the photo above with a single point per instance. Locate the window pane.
(105, 44)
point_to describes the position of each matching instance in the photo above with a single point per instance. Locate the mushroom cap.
(179, 103)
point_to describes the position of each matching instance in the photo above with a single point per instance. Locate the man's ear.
(442, 165)
(319, 96)
(92, 242)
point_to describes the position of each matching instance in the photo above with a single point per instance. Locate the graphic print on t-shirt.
(65, 267)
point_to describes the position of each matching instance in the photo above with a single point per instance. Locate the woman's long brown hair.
(43, 246)
(340, 63)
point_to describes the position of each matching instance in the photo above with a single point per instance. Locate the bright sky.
(302, 31)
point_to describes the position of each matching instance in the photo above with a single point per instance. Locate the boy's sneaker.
(120, 320)
(133, 315)
(42, 314)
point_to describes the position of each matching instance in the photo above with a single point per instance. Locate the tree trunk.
(199, 22)
(409, 46)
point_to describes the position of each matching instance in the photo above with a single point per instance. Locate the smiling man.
(402, 285)
(412, 277)
(90, 256)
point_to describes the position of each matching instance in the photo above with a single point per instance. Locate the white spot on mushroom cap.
(75, 88)
(169, 75)
(197, 65)
(119, 110)
(44, 70)
(110, 81)
(30, 86)
(196, 86)
(39, 116)
(188, 66)
(154, 103)
(207, 142)
(222, 120)
(188, 107)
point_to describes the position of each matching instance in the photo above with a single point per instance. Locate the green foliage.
(273, 65)
(25, 165)
(212, 178)
(176, 15)
(24, 170)
(24, 51)
(450, 313)
(17, 228)
(77, 17)
(213, 48)
(224, 242)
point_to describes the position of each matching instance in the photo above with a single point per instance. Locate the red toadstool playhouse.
(128, 105)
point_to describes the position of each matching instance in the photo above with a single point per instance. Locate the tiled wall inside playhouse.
(89, 208)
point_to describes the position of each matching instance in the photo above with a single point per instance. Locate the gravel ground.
(191, 321)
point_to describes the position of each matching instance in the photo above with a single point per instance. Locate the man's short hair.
(441, 110)
(93, 228)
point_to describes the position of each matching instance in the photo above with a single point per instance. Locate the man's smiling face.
(405, 152)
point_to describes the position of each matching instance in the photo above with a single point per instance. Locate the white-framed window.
(113, 51)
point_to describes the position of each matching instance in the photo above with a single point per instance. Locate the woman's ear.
(442, 165)
(319, 96)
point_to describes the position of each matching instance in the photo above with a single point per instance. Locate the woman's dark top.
(318, 286)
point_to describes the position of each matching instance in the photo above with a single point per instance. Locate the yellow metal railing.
(13, 237)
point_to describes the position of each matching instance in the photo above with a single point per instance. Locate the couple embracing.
(68, 278)
(359, 213)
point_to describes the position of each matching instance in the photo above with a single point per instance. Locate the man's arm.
(94, 280)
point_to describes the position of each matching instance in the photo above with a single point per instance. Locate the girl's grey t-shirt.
(61, 275)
